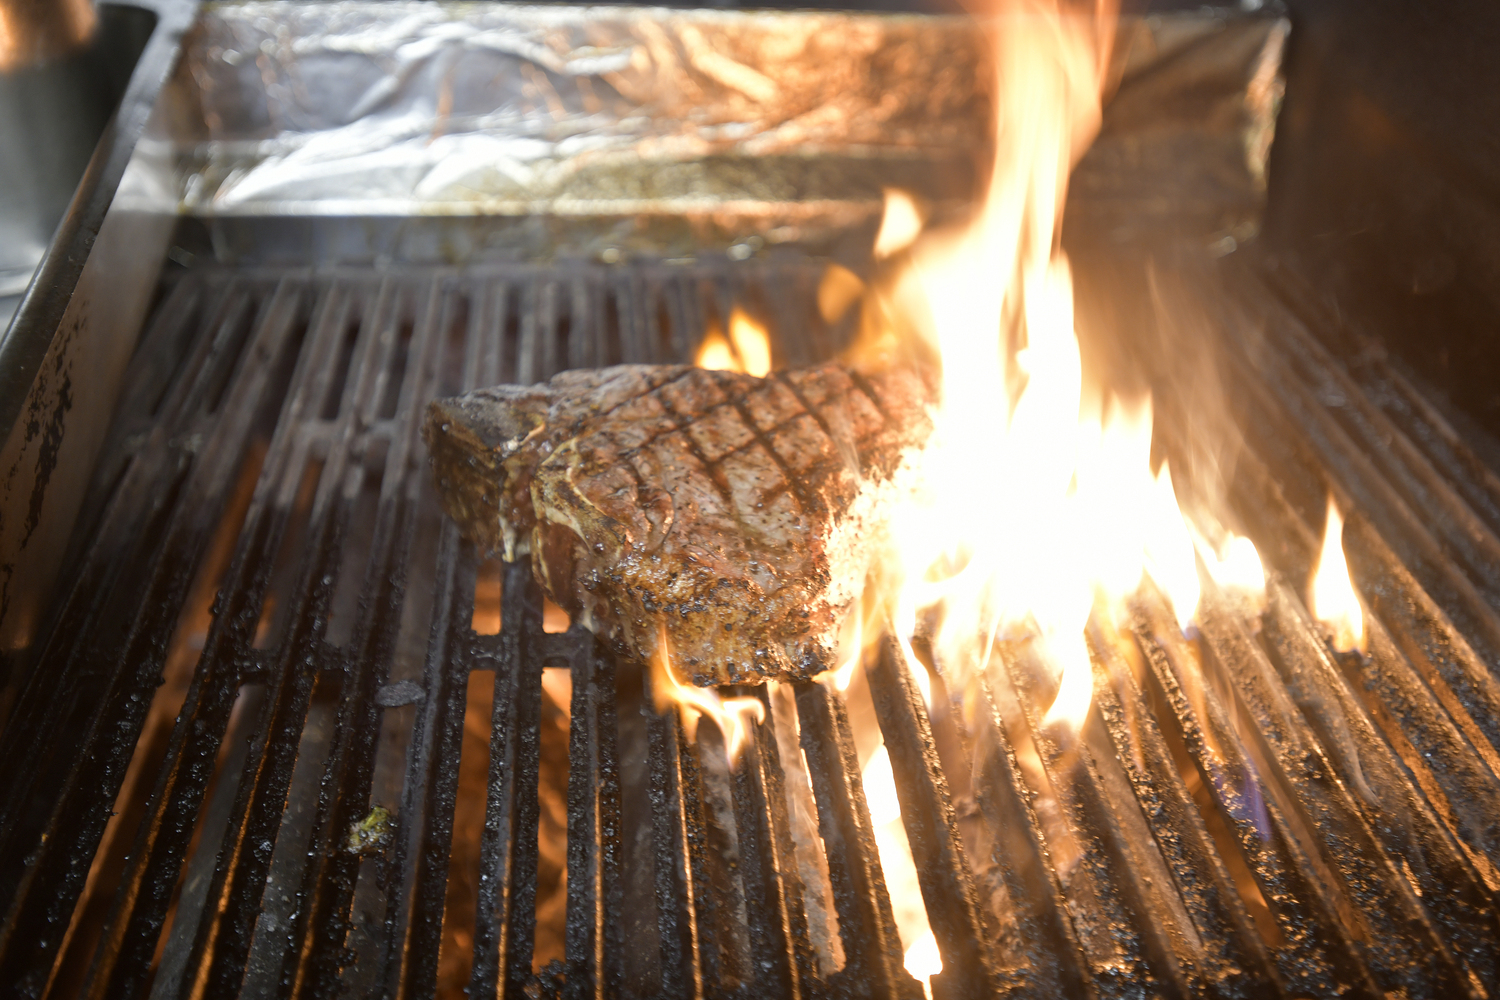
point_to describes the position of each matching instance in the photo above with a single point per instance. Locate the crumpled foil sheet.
(330, 108)
(1184, 146)
(670, 130)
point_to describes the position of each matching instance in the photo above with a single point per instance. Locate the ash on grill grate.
(348, 758)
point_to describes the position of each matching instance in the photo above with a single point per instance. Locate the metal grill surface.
(236, 756)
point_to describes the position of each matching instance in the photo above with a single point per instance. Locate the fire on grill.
(698, 607)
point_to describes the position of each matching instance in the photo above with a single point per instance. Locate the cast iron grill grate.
(346, 757)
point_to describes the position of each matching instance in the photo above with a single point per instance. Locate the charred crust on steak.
(736, 515)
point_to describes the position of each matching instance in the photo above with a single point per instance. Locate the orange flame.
(1171, 558)
(747, 348)
(1027, 515)
(1234, 565)
(880, 788)
(734, 716)
(851, 650)
(839, 289)
(1332, 598)
(1238, 565)
(9, 49)
(714, 353)
(1039, 506)
(1075, 691)
(923, 961)
(921, 957)
(900, 224)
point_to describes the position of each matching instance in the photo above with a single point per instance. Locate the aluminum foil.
(498, 109)
(695, 127)
(1184, 146)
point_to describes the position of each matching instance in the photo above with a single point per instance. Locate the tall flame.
(1037, 500)
(1332, 598)
(1039, 505)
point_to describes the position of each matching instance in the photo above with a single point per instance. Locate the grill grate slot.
(1243, 812)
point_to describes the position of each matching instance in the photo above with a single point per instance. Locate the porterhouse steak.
(736, 516)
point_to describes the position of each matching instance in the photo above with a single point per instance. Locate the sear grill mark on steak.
(808, 502)
(810, 410)
(689, 428)
(735, 515)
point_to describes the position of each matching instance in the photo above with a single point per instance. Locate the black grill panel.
(1244, 813)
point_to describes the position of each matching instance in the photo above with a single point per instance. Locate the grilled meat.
(735, 515)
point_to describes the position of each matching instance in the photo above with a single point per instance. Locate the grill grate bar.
(937, 848)
(1043, 944)
(305, 665)
(1399, 945)
(780, 954)
(1447, 572)
(1233, 954)
(674, 316)
(1409, 480)
(1442, 621)
(130, 513)
(1417, 418)
(866, 923)
(1430, 689)
(1120, 933)
(414, 924)
(677, 902)
(506, 914)
(1424, 634)
(625, 288)
(155, 583)
(713, 897)
(326, 895)
(1390, 803)
(1316, 955)
(595, 942)
(1311, 455)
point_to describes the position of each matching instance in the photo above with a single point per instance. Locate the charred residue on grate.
(381, 766)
